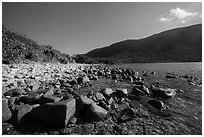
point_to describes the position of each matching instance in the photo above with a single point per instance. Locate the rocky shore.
(43, 98)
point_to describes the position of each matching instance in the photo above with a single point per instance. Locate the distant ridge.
(17, 48)
(176, 45)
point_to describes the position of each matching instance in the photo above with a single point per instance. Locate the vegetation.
(18, 48)
(176, 45)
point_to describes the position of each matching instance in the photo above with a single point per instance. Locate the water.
(189, 68)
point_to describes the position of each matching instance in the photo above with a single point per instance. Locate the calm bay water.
(189, 68)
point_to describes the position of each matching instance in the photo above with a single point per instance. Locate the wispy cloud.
(165, 19)
(181, 14)
(178, 14)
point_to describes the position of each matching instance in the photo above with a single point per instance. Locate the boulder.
(96, 112)
(22, 111)
(107, 91)
(140, 90)
(31, 98)
(6, 113)
(49, 99)
(55, 114)
(157, 104)
(121, 92)
(136, 91)
(14, 92)
(163, 92)
(126, 114)
(90, 110)
(98, 97)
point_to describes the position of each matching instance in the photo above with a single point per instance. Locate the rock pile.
(47, 94)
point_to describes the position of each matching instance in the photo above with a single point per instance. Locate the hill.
(176, 45)
(18, 48)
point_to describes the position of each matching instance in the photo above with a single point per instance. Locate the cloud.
(165, 19)
(181, 14)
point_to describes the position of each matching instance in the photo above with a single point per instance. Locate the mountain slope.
(176, 45)
(17, 48)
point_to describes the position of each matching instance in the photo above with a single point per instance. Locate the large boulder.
(22, 111)
(31, 98)
(55, 114)
(163, 92)
(157, 104)
(6, 113)
(90, 110)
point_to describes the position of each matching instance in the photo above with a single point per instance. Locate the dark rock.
(121, 92)
(136, 91)
(49, 99)
(157, 104)
(126, 114)
(163, 92)
(14, 92)
(139, 82)
(31, 98)
(153, 72)
(55, 114)
(6, 113)
(22, 111)
(139, 89)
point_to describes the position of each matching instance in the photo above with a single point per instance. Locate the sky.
(76, 28)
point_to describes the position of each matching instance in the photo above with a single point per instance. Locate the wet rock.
(55, 114)
(6, 113)
(136, 91)
(140, 90)
(163, 92)
(157, 104)
(14, 92)
(107, 91)
(126, 114)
